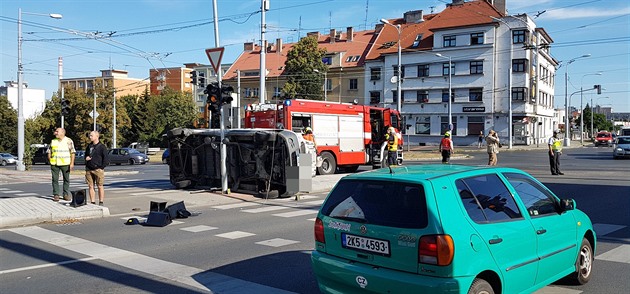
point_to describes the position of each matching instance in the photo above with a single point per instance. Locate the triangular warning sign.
(215, 55)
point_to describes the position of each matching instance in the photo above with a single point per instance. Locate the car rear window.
(383, 203)
(603, 135)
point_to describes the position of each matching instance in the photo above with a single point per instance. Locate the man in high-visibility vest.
(555, 150)
(61, 158)
(392, 146)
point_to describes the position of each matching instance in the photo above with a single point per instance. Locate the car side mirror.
(567, 204)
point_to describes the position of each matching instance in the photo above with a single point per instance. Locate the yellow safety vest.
(392, 142)
(60, 151)
(557, 145)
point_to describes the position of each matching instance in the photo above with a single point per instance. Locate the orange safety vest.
(446, 144)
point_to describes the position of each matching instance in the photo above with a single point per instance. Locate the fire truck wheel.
(329, 165)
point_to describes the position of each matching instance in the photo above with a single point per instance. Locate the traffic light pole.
(224, 183)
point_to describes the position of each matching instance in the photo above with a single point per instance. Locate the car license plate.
(365, 244)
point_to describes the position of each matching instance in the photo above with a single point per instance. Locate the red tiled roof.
(466, 14)
(250, 60)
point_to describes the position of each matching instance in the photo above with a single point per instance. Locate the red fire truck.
(347, 135)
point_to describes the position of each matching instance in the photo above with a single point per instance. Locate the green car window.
(486, 199)
(384, 203)
(536, 198)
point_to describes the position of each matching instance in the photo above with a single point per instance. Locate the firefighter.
(392, 146)
(308, 135)
(446, 147)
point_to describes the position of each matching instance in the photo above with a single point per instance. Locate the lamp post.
(450, 90)
(567, 138)
(581, 107)
(20, 163)
(399, 77)
(325, 82)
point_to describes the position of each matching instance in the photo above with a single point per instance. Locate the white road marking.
(3, 189)
(265, 209)
(27, 194)
(605, 229)
(277, 242)
(235, 205)
(198, 278)
(619, 254)
(197, 229)
(153, 192)
(311, 219)
(297, 213)
(235, 235)
(12, 191)
(557, 290)
(28, 268)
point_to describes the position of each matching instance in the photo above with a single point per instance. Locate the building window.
(416, 42)
(354, 84)
(445, 68)
(519, 65)
(444, 125)
(328, 85)
(518, 36)
(327, 60)
(518, 93)
(423, 125)
(375, 97)
(375, 73)
(81, 84)
(395, 96)
(476, 38)
(449, 41)
(90, 84)
(255, 92)
(202, 109)
(476, 67)
(422, 96)
(475, 125)
(402, 68)
(423, 70)
(200, 98)
(356, 58)
(445, 95)
(251, 73)
(475, 94)
(277, 91)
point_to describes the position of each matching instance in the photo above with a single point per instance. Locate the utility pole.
(60, 72)
(263, 50)
(114, 144)
(224, 183)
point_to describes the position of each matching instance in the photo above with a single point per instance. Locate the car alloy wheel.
(4, 163)
(583, 264)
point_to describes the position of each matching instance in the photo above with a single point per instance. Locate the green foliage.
(302, 81)
(599, 121)
(8, 126)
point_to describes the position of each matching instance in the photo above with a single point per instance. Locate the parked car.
(604, 138)
(6, 158)
(41, 155)
(166, 156)
(448, 228)
(127, 155)
(622, 147)
(79, 157)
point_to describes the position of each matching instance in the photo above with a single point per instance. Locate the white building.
(495, 57)
(34, 99)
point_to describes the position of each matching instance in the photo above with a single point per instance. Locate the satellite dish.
(394, 79)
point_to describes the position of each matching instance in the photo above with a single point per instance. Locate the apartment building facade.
(118, 79)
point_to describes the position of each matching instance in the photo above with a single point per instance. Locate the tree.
(302, 61)
(170, 109)
(8, 126)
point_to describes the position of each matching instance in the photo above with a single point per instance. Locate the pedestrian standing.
(61, 157)
(446, 147)
(480, 140)
(492, 141)
(96, 160)
(555, 150)
(392, 146)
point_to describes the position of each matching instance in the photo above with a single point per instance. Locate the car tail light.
(319, 231)
(436, 249)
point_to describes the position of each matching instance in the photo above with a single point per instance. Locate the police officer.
(555, 150)
(392, 146)
(61, 158)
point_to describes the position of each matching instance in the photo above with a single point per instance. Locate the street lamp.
(567, 138)
(325, 82)
(399, 77)
(581, 107)
(450, 90)
(20, 163)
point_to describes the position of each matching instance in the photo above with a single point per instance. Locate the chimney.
(458, 2)
(249, 46)
(414, 16)
(279, 45)
(313, 34)
(333, 35)
(349, 34)
(499, 5)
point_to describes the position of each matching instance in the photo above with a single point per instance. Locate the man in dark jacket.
(95, 162)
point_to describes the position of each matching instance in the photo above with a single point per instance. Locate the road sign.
(215, 55)
(94, 114)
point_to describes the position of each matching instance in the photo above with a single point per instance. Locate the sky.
(149, 34)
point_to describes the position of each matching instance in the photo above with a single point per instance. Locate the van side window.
(486, 199)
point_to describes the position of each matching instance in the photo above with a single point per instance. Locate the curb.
(33, 210)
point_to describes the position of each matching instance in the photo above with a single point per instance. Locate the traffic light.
(202, 79)
(193, 76)
(65, 107)
(226, 94)
(214, 95)
(598, 88)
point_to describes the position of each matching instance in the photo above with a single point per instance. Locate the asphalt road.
(264, 246)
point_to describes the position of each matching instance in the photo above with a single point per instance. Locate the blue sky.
(169, 33)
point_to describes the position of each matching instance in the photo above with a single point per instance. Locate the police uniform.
(555, 150)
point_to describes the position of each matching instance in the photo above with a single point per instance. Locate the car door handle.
(495, 241)
(541, 231)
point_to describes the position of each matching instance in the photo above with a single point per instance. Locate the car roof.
(414, 173)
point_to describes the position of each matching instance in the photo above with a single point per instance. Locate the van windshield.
(384, 203)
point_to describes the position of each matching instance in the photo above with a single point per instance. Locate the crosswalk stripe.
(198, 278)
(152, 192)
(27, 194)
(265, 209)
(297, 213)
(28, 268)
(557, 290)
(11, 191)
(236, 205)
(619, 254)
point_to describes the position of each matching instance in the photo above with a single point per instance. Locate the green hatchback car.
(448, 229)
